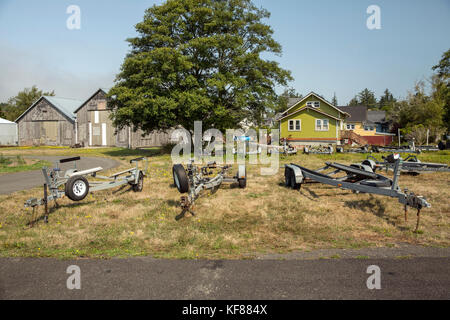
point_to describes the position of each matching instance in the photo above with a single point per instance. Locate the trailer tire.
(77, 188)
(287, 177)
(242, 183)
(180, 178)
(139, 186)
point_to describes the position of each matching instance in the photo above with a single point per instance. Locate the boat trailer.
(319, 149)
(410, 165)
(196, 179)
(77, 187)
(359, 179)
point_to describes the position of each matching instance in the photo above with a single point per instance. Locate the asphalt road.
(18, 181)
(147, 278)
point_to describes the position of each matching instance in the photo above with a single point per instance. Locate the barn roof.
(4, 121)
(105, 90)
(66, 106)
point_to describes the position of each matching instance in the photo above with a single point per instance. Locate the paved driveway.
(18, 181)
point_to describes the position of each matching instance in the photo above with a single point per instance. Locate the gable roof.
(105, 91)
(376, 116)
(315, 95)
(66, 106)
(4, 121)
(309, 108)
(357, 113)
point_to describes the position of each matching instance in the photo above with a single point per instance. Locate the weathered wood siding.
(93, 118)
(154, 139)
(45, 125)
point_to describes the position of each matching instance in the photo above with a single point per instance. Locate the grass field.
(231, 223)
(19, 164)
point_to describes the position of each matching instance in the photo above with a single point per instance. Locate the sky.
(326, 44)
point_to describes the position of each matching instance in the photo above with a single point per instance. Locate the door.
(49, 133)
(104, 136)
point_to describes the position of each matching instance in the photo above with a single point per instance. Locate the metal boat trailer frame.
(319, 150)
(196, 179)
(410, 165)
(358, 180)
(77, 186)
(363, 149)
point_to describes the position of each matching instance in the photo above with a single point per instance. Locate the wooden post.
(45, 203)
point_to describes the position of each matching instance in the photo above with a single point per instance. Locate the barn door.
(49, 133)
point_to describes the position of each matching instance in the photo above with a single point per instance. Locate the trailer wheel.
(287, 177)
(139, 186)
(294, 185)
(242, 171)
(180, 178)
(77, 188)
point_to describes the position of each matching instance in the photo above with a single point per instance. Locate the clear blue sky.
(326, 44)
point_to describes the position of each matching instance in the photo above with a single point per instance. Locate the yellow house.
(312, 120)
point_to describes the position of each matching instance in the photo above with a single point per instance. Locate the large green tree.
(418, 113)
(367, 98)
(386, 100)
(22, 101)
(441, 86)
(198, 60)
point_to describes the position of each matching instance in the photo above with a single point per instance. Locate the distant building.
(8, 133)
(48, 121)
(57, 121)
(366, 126)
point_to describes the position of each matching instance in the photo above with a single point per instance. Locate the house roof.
(66, 106)
(295, 103)
(308, 108)
(376, 116)
(105, 90)
(357, 113)
(4, 121)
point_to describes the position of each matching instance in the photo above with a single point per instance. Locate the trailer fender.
(296, 172)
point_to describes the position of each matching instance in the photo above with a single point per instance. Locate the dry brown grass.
(232, 223)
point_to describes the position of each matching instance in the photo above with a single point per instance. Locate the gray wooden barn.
(95, 128)
(49, 121)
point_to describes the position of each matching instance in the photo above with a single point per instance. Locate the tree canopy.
(21, 102)
(198, 60)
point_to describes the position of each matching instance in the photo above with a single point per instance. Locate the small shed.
(49, 121)
(8, 133)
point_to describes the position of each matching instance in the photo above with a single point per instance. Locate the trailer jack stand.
(186, 207)
(418, 221)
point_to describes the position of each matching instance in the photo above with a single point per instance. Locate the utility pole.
(428, 135)
(399, 137)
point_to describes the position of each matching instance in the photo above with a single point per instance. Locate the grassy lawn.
(19, 164)
(231, 223)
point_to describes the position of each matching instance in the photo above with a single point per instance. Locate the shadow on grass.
(54, 208)
(375, 207)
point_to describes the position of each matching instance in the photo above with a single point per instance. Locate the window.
(322, 125)
(313, 104)
(295, 125)
(350, 127)
(368, 128)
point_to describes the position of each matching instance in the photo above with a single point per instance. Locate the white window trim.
(321, 127)
(295, 122)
